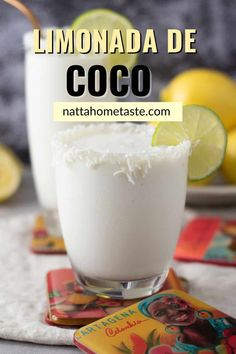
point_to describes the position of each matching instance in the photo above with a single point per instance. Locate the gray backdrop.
(215, 21)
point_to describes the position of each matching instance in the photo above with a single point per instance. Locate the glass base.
(52, 222)
(131, 289)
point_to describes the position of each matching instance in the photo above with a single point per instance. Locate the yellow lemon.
(229, 164)
(10, 173)
(207, 87)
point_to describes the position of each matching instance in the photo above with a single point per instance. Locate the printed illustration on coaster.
(166, 323)
(69, 305)
(208, 240)
(44, 243)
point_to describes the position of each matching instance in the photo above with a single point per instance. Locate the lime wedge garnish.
(109, 20)
(204, 129)
(10, 173)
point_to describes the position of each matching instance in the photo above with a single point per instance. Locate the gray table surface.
(11, 347)
(25, 200)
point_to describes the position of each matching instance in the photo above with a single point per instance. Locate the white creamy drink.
(45, 83)
(120, 205)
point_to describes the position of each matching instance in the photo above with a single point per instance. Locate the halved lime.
(109, 20)
(204, 129)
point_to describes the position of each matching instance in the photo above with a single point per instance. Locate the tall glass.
(45, 83)
(120, 204)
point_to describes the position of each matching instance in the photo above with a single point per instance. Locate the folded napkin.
(23, 286)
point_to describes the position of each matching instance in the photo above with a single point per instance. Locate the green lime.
(109, 20)
(204, 129)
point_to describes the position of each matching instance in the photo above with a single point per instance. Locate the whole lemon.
(229, 164)
(207, 87)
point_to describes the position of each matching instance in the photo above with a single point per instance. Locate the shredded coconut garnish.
(133, 158)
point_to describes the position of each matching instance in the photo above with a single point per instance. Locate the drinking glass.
(45, 83)
(120, 206)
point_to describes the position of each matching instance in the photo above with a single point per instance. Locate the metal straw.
(26, 12)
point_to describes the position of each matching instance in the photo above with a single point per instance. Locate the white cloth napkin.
(23, 299)
(23, 292)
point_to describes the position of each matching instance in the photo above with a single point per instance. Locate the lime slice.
(10, 173)
(109, 20)
(204, 129)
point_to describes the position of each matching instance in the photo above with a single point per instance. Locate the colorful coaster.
(70, 306)
(208, 240)
(42, 242)
(166, 323)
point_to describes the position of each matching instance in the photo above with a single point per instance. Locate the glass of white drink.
(120, 204)
(45, 83)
